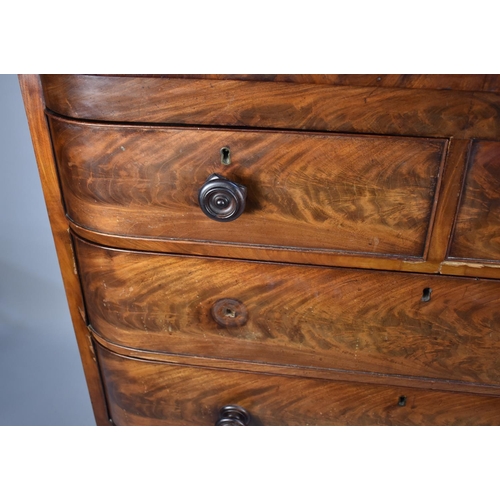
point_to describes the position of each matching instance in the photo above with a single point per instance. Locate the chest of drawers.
(278, 249)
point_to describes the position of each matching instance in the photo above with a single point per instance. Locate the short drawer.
(398, 324)
(363, 194)
(477, 230)
(146, 393)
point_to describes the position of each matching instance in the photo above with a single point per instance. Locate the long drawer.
(398, 324)
(365, 194)
(300, 106)
(145, 393)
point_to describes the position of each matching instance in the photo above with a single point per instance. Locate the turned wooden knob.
(233, 415)
(221, 199)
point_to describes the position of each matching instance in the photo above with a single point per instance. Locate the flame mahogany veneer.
(358, 283)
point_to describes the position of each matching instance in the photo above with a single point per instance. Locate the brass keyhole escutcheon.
(225, 156)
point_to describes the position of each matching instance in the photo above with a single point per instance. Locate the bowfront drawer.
(364, 194)
(362, 108)
(250, 189)
(146, 393)
(397, 324)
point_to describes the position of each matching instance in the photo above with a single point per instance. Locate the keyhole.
(402, 401)
(426, 294)
(230, 313)
(225, 156)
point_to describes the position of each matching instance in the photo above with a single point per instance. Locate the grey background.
(41, 376)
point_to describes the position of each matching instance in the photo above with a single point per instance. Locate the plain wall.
(41, 376)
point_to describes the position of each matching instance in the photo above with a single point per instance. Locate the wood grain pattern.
(294, 344)
(297, 315)
(450, 187)
(484, 83)
(146, 393)
(33, 101)
(258, 252)
(299, 371)
(415, 112)
(317, 191)
(253, 252)
(477, 230)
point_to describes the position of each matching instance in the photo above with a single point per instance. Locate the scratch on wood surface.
(473, 265)
(91, 347)
(82, 313)
(72, 253)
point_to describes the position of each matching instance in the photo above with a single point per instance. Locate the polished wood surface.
(146, 393)
(32, 95)
(259, 252)
(481, 83)
(448, 197)
(299, 371)
(372, 195)
(367, 110)
(477, 231)
(255, 252)
(388, 323)
(392, 178)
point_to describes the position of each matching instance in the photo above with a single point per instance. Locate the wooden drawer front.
(477, 230)
(364, 321)
(146, 393)
(363, 194)
(362, 109)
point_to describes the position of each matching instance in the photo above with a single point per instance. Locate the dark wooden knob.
(233, 415)
(221, 199)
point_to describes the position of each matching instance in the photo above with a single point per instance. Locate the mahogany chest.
(278, 249)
